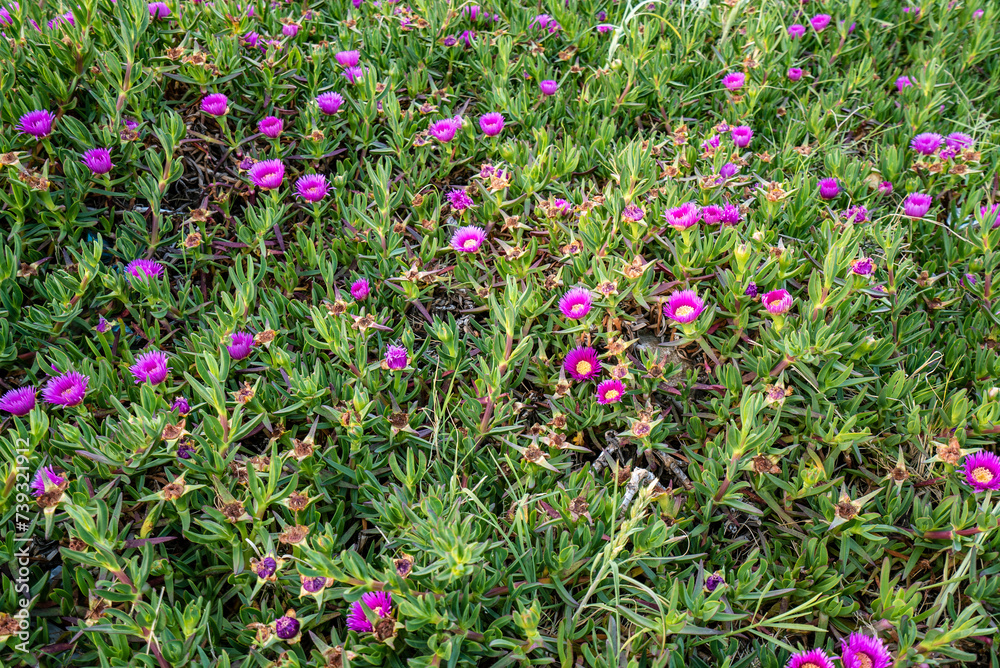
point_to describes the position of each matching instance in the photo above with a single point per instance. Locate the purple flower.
(544, 21)
(734, 80)
(968, 278)
(576, 303)
(290, 29)
(561, 206)
(796, 30)
(711, 142)
(271, 126)
(730, 214)
(151, 367)
(36, 123)
(713, 581)
(861, 651)
(5, 18)
(459, 199)
(548, 86)
(885, 188)
(445, 129)
(814, 658)
(240, 344)
(396, 357)
(829, 188)
(862, 266)
(266, 567)
(711, 214)
(978, 13)
(610, 392)
(67, 389)
(378, 602)
(329, 103)
(360, 289)
(353, 74)
(604, 27)
(18, 402)
(181, 405)
(286, 627)
(633, 213)
(820, 21)
(958, 140)
(856, 214)
(62, 18)
(311, 187)
(926, 143)
(158, 10)
(450, 40)
(491, 124)
(46, 479)
(751, 290)
(467, 37)
(582, 363)
(742, 136)
(144, 269)
(348, 58)
(916, 205)
(729, 170)
(468, 239)
(185, 450)
(251, 39)
(777, 302)
(98, 160)
(903, 82)
(947, 153)
(794, 73)
(215, 104)
(982, 471)
(684, 216)
(684, 306)
(267, 174)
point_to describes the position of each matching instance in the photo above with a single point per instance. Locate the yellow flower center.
(611, 395)
(683, 311)
(379, 611)
(470, 243)
(578, 308)
(864, 660)
(583, 367)
(982, 474)
(809, 665)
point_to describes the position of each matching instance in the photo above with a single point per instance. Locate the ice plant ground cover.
(575, 332)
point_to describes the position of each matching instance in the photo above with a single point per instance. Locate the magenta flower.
(353, 74)
(267, 174)
(98, 160)
(311, 187)
(576, 303)
(215, 104)
(62, 18)
(144, 269)
(777, 302)
(329, 103)
(633, 213)
(814, 658)
(861, 651)
(728, 170)
(730, 214)
(158, 10)
(862, 266)
(734, 80)
(348, 58)
(150, 367)
(18, 402)
(181, 405)
(711, 142)
(684, 216)
(459, 199)
(266, 567)
(829, 188)
(982, 471)
(468, 239)
(67, 389)
(445, 129)
(903, 82)
(378, 602)
(290, 29)
(989, 215)
(544, 21)
(450, 40)
(820, 21)
(856, 214)
(271, 126)
(926, 143)
(5, 18)
(885, 188)
(794, 73)
(742, 136)
(796, 30)
(548, 86)
(582, 363)
(604, 28)
(958, 140)
(286, 627)
(491, 124)
(36, 123)
(684, 306)
(396, 357)
(46, 479)
(467, 37)
(916, 205)
(240, 345)
(251, 39)
(610, 391)
(360, 289)
(711, 214)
